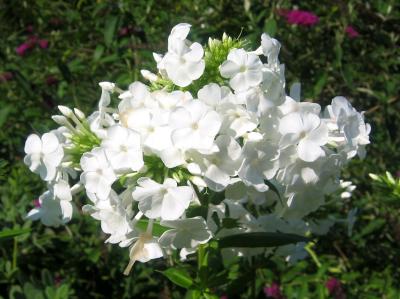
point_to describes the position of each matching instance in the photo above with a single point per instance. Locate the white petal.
(309, 151)
(229, 69)
(291, 123)
(49, 143)
(33, 144)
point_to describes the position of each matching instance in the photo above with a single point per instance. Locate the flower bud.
(79, 114)
(149, 75)
(65, 111)
(60, 119)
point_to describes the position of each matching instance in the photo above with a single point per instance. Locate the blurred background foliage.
(70, 46)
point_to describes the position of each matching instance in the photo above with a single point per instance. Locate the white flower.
(237, 121)
(307, 131)
(99, 122)
(270, 48)
(194, 126)
(166, 200)
(144, 249)
(260, 162)
(213, 95)
(51, 211)
(219, 167)
(43, 155)
(186, 233)
(183, 62)
(243, 69)
(61, 190)
(292, 105)
(137, 96)
(350, 124)
(270, 94)
(113, 216)
(123, 149)
(97, 175)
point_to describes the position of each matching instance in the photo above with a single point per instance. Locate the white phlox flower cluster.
(211, 147)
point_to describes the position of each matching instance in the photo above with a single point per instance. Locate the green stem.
(15, 250)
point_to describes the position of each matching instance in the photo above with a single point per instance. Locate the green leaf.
(273, 188)
(98, 52)
(23, 82)
(109, 30)
(260, 239)
(179, 277)
(270, 26)
(16, 293)
(31, 292)
(4, 114)
(10, 233)
(320, 84)
(62, 292)
(373, 226)
(65, 71)
(158, 229)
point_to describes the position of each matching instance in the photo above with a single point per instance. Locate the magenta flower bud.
(43, 43)
(51, 80)
(351, 32)
(6, 76)
(335, 289)
(22, 49)
(32, 40)
(273, 291)
(57, 280)
(124, 31)
(29, 28)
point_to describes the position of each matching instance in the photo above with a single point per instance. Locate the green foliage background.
(86, 46)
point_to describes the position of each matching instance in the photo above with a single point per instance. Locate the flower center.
(303, 134)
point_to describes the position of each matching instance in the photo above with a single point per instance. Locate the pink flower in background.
(6, 76)
(57, 280)
(43, 43)
(300, 17)
(273, 291)
(27, 45)
(124, 31)
(30, 43)
(223, 297)
(29, 28)
(351, 32)
(51, 80)
(22, 49)
(335, 289)
(36, 203)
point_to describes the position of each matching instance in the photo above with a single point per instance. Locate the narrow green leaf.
(260, 239)
(98, 52)
(320, 84)
(110, 29)
(179, 277)
(23, 82)
(65, 71)
(273, 188)
(10, 233)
